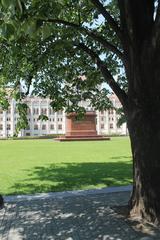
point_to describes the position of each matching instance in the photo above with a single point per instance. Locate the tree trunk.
(1, 202)
(144, 129)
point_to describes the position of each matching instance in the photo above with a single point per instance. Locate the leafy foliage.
(43, 117)
(22, 122)
(121, 118)
(42, 48)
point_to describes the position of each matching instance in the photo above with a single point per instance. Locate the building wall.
(56, 124)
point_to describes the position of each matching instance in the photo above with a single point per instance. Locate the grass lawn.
(30, 166)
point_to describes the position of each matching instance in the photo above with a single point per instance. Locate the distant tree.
(53, 43)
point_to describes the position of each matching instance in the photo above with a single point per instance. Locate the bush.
(48, 136)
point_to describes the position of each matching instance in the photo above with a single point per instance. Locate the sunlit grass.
(31, 166)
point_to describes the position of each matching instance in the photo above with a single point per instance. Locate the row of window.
(110, 126)
(36, 111)
(50, 119)
(52, 127)
(8, 127)
(110, 119)
(110, 111)
(35, 127)
(44, 127)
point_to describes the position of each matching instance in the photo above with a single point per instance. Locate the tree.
(61, 40)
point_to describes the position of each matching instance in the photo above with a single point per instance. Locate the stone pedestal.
(81, 130)
(85, 127)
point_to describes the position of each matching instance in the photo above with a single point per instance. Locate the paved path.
(77, 217)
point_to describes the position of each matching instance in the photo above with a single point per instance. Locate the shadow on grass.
(71, 176)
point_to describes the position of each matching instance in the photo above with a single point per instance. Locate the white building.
(56, 123)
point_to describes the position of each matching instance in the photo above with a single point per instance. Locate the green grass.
(31, 166)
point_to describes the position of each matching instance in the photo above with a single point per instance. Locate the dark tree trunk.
(1, 202)
(139, 35)
(144, 130)
(143, 109)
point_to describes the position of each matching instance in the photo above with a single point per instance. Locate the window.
(110, 111)
(43, 127)
(102, 126)
(35, 127)
(59, 119)
(43, 110)
(1, 127)
(102, 118)
(52, 127)
(8, 119)
(51, 111)
(8, 127)
(60, 126)
(1, 111)
(9, 111)
(111, 125)
(35, 111)
(28, 134)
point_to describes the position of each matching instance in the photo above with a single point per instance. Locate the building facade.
(106, 121)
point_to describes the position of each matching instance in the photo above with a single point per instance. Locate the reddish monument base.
(78, 130)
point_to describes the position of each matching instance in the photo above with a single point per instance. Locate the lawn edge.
(64, 194)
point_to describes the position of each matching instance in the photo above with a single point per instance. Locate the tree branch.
(121, 94)
(108, 17)
(156, 29)
(106, 44)
(92, 34)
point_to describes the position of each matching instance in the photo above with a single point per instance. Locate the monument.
(81, 130)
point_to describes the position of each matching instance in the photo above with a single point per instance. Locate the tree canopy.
(58, 46)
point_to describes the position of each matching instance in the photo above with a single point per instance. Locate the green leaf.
(46, 32)
(29, 27)
(7, 3)
(19, 6)
(43, 117)
(7, 30)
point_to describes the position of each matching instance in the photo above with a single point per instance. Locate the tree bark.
(144, 129)
(1, 202)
